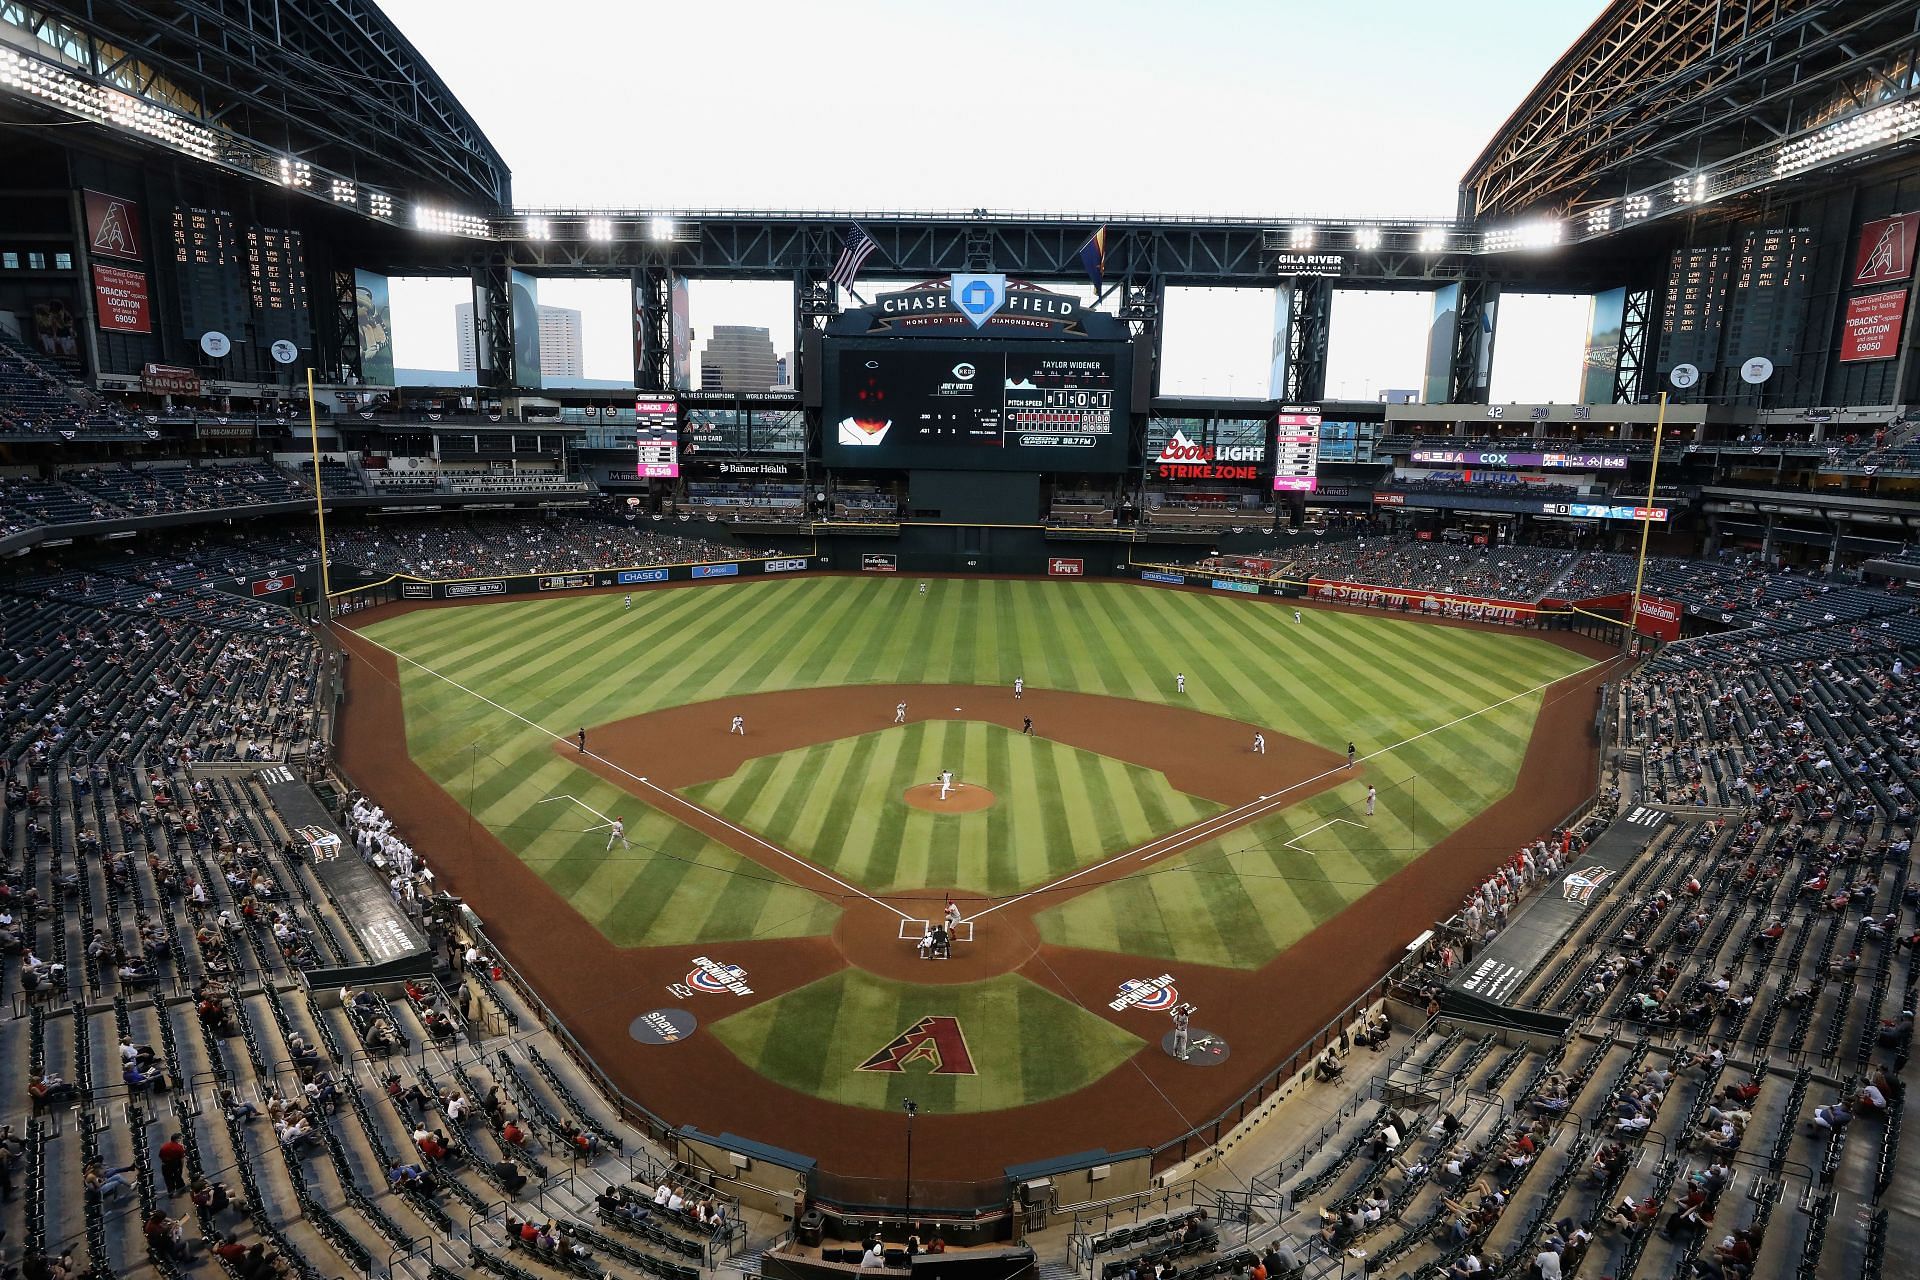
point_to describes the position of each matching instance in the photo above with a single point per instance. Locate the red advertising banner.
(1389, 499)
(113, 227)
(267, 586)
(1658, 618)
(1871, 330)
(1886, 250)
(120, 298)
(1063, 567)
(1439, 604)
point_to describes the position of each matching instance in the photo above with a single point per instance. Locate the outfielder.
(629, 602)
(738, 726)
(1296, 615)
(900, 714)
(1179, 682)
(618, 831)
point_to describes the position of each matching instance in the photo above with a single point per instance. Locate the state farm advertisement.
(120, 298)
(1871, 330)
(1658, 618)
(1181, 459)
(1438, 604)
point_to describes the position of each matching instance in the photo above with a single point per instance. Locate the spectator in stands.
(508, 1175)
(173, 1164)
(100, 1181)
(1831, 1118)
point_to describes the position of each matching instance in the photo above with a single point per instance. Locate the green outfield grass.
(1378, 680)
(1024, 1043)
(1058, 808)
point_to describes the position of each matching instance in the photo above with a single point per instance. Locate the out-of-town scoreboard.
(1696, 295)
(656, 437)
(1296, 449)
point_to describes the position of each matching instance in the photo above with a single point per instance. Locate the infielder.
(900, 713)
(1019, 686)
(618, 831)
(738, 726)
(1179, 682)
(1259, 744)
(1370, 795)
(946, 782)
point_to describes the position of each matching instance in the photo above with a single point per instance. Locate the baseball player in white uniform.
(1019, 686)
(946, 782)
(900, 713)
(738, 726)
(1179, 682)
(1259, 744)
(953, 915)
(618, 831)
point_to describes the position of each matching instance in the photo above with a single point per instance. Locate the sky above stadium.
(1217, 106)
(1240, 107)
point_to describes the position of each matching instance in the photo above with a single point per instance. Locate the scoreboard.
(1296, 449)
(277, 285)
(1034, 406)
(207, 257)
(1770, 293)
(249, 282)
(656, 436)
(1696, 292)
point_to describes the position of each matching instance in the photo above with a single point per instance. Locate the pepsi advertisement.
(980, 405)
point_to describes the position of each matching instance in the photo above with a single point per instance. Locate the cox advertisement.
(1480, 458)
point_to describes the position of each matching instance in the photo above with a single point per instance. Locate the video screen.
(1034, 406)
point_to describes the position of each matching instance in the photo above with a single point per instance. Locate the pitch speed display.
(1030, 407)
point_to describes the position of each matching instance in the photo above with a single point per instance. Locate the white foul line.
(687, 804)
(1208, 828)
(605, 821)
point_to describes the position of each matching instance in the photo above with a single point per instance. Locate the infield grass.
(1057, 808)
(1024, 1043)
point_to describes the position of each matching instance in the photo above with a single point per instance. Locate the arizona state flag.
(1093, 257)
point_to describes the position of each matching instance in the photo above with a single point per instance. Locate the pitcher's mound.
(964, 798)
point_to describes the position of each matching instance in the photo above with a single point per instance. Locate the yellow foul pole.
(319, 504)
(1646, 526)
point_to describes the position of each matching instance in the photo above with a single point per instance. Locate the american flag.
(855, 249)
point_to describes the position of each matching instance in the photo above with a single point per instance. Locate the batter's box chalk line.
(1295, 842)
(914, 930)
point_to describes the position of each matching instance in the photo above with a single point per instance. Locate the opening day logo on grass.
(713, 978)
(1151, 994)
(936, 1039)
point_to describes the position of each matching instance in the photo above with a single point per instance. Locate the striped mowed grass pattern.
(563, 663)
(1025, 1043)
(1244, 898)
(1057, 808)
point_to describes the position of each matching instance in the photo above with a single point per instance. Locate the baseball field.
(1112, 825)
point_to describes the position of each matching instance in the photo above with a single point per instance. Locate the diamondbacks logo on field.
(1580, 885)
(936, 1039)
(711, 977)
(1151, 994)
